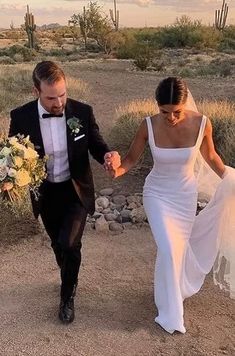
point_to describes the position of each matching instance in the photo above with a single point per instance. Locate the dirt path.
(114, 304)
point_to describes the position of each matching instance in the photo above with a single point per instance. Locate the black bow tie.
(46, 116)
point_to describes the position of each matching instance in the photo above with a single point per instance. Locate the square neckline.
(176, 148)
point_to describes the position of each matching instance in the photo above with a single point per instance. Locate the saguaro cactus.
(221, 16)
(83, 23)
(114, 14)
(30, 28)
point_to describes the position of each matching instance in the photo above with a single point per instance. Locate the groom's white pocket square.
(79, 137)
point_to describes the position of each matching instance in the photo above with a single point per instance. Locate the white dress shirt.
(55, 145)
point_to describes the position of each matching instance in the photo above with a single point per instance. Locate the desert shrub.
(182, 34)
(208, 37)
(218, 67)
(207, 70)
(59, 40)
(94, 25)
(228, 41)
(19, 58)
(159, 65)
(27, 53)
(128, 48)
(143, 57)
(229, 32)
(114, 41)
(56, 52)
(221, 113)
(187, 33)
(175, 37)
(184, 72)
(227, 45)
(225, 70)
(6, 60)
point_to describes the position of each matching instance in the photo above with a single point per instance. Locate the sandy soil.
(114, 305)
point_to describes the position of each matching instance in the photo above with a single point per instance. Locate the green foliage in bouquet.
(20, 169)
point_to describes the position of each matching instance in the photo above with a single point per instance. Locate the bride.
(187, 244)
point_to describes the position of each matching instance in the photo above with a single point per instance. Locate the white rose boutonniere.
(74, 124)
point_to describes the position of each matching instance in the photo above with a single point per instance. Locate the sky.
(133, 13)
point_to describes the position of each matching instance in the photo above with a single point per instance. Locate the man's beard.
(56, 110)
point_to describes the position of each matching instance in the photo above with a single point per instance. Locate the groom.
(66, 131)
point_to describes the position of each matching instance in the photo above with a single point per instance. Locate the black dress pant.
(64, 218)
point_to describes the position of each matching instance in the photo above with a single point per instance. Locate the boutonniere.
(74, 124)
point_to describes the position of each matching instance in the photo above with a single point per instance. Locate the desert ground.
(114, 304)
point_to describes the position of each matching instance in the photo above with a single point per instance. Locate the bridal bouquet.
(20, 168)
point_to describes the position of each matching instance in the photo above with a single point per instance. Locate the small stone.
(119, 200)
(127, 225)
(119, 218)
(101, 225)
(138, 215)
(106, 191)
(99, 209)
(96, 215)
(107, 211)
(110, 217)
(126, 215)
(103, 202)
(119, 208)
(134, 199)
(114, 226)
(132, 206)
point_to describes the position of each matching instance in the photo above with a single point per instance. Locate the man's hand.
(112, 161)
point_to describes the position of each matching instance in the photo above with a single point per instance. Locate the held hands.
(112, 161)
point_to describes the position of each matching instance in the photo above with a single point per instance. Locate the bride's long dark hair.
(171, 91)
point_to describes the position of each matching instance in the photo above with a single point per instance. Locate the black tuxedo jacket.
(25, 121)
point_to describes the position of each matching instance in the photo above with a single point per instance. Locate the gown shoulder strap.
(201, 131)
(150, 131)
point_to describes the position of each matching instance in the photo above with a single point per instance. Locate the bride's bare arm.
(208, 152)
(135, 150)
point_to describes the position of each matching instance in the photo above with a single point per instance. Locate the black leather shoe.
(66, 312)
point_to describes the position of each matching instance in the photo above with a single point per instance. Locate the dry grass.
(16, 86)
(128, 119)
(137, 107)
(221, 113)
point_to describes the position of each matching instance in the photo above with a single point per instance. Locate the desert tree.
(94, 25)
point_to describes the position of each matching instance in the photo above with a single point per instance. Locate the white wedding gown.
(187, 245)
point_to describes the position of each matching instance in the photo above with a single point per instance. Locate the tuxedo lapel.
(68, 115)
(35, 130)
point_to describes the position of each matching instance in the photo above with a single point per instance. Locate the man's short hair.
(47, 71)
